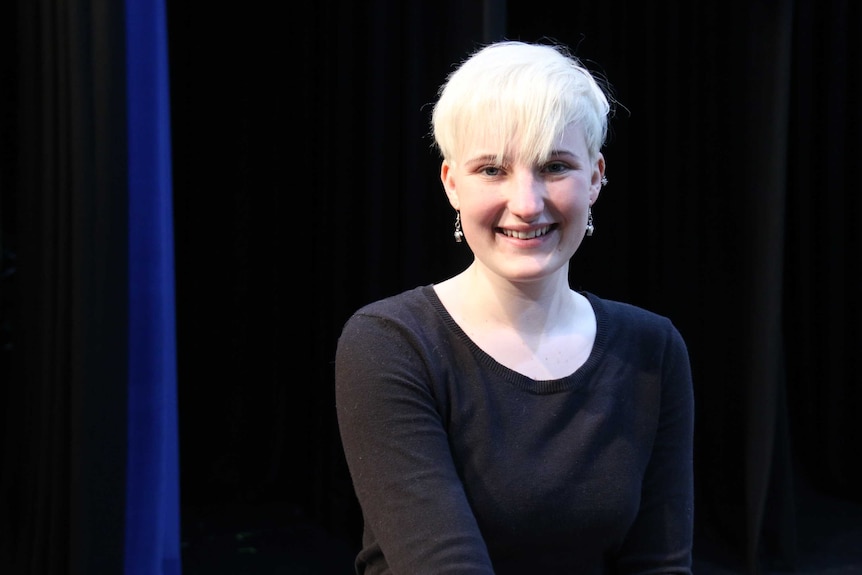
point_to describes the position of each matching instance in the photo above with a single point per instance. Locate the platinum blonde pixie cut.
(519, 98)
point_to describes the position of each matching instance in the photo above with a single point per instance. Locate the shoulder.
(626, 321)
(393, 303)
(410, 314)
(408, 306)
(618, 310)
(645, 339)
(403, 333)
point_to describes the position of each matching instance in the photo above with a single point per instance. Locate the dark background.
(306, 185)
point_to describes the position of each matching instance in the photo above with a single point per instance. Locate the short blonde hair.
(519, 94)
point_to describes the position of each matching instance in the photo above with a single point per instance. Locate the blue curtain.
(152, 539)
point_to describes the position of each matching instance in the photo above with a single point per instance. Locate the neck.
(530, 307)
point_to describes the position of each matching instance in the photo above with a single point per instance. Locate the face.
(524, 221)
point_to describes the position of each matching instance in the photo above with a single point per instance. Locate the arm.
(398, 454)
(660, 540)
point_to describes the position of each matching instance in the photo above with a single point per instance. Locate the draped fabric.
(296, 181)
(152, 527)
(89, 478)
(64, 454)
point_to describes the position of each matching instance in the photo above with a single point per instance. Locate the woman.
(499, 421)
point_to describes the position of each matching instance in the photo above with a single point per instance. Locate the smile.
(526, 235)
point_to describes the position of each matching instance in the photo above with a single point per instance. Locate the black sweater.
(462, 465)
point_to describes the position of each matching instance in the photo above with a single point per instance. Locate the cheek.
(481, 210)
(573, 206)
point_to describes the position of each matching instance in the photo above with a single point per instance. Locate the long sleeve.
(660, 539)
(398, 455)
(463, 466)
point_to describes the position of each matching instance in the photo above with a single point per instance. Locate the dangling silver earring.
(590, 227)
(459, 235)
(604, 181)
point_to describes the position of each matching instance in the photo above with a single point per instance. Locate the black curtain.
(306, 185)
(64, 359)
(731, 208)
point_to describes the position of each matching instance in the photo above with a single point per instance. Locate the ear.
(597, 180)
(447, 176)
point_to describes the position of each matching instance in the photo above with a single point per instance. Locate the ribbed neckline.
(519, 380)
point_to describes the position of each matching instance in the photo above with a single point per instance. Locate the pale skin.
(514, 299)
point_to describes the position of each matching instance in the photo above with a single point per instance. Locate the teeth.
(527, 235)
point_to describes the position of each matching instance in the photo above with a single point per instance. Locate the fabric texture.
(152, 526)
(462, 465)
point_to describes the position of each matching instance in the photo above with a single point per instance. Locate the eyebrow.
(492, 158)
(484, 158)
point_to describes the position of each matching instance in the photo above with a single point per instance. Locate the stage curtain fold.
(152, 486)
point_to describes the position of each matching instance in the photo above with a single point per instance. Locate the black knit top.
(462, 465)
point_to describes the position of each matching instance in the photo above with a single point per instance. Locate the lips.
(528, 235)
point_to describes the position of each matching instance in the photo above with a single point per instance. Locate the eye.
(555, 167)
(491, 171)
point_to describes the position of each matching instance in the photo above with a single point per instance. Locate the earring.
(459, 235)
(604, 181)
(590, 227)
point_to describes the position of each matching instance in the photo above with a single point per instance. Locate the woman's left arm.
(660, 539)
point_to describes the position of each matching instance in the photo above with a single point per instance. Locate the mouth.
(527, 235)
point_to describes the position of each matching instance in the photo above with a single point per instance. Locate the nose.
(526, 195)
